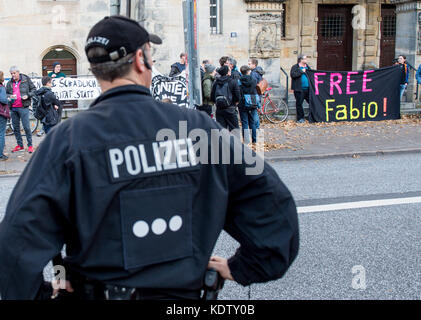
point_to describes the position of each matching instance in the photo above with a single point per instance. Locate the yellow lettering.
(343, 111)
(353, 111)
(328, 109)
(369, 110)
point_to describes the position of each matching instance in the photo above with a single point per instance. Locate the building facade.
(335, 34)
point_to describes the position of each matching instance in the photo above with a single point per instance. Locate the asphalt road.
(382, 243)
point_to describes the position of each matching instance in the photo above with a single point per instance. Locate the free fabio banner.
(370, 95)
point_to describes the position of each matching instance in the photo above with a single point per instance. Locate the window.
(333, 26)
(389, 26)
(215, 16)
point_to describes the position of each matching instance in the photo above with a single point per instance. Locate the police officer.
(139, 217)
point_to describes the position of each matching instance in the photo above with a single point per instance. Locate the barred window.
(333, 26)
(389, 26)
(215, 16)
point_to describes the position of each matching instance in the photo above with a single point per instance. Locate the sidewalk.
(292, 141)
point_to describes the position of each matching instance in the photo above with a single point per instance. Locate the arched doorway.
(68, 66)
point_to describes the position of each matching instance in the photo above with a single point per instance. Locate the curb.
(343, 155)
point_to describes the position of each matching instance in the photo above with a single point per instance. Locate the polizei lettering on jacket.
(137, 160)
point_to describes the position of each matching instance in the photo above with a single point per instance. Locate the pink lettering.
(335, 83)
(365, 80)
(349, 82)
(317, 81)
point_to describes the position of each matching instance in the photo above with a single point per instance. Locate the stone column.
(408, 36)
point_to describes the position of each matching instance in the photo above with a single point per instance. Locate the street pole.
(191, 47)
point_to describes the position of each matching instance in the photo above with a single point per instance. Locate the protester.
(178, 67)
(56, 73)
(232, 64)
(418, 75)
(223, 61)
(248, 115)
(207, 82)
(226, 95)
(256, 71)
(3, 119)
(20, 90)
(300, 85)
(202, 68)
(405, 75)
(50, 103)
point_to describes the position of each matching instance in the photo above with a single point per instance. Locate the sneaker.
(3, 158)
(40, 133)
(30, 149)
(17, 148)
(301, 121)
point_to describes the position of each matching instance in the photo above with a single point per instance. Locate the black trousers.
(300, 96)
(228, 118)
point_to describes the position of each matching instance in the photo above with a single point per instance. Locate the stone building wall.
(31, 28)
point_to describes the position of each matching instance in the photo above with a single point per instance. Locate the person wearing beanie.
(207, 82)
(56, 73)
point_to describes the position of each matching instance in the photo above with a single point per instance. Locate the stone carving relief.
(265, 34)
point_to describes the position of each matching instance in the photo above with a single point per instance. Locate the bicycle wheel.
(276, 111)
(33, 122)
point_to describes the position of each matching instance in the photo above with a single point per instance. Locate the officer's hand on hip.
(221, 266)
(56, 287)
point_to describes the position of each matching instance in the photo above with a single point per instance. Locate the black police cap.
(119, 36)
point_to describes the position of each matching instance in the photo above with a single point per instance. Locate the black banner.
(370, 95)
(173, 88)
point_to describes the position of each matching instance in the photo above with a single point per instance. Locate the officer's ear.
(139, 61)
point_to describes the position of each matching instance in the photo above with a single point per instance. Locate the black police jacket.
(133, 216)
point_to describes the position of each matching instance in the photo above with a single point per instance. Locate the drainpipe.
(115, 7)
(141, 16)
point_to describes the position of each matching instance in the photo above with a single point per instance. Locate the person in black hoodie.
(50, 103)
(226, 95)
(249, 117)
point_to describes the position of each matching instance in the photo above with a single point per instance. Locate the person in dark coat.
(50, 103)
(249, 117)
(140, 212)
(227, 115)
(300, 85)
(178, 67)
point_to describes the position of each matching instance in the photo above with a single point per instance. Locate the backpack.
(223, 95)
(262, 86)
(251, 101)
(38, 105)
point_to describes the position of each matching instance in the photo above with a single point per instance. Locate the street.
(383, 241)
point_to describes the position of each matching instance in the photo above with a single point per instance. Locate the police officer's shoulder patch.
(156, 225)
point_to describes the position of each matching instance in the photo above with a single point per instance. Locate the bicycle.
(33, 124)
(273, 111)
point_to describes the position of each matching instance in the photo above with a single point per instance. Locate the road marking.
(358, 204)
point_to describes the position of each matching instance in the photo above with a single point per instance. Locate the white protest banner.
(83, 88)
